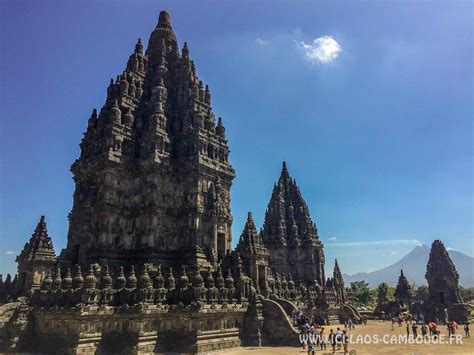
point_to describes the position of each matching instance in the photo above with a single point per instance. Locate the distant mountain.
(414, 268)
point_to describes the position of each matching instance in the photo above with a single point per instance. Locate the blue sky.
(375, 125)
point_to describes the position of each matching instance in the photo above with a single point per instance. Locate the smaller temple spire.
(403, 293)
(139, 47)
(39, 246)
(249, 236)
(185, 51)
(220, 129)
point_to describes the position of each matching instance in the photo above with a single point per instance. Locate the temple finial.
(164, 20)
(284, 170)
(139, 46)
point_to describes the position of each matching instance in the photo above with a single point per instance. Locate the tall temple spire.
(288, 227)
(287, 210)
(156, 126)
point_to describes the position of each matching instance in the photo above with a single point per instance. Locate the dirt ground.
(383, 332)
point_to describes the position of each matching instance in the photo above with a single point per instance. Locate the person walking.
(345, 341)
(338, 338)
(414, 327)
(311, 341)
(466, 330)
(322, 340)
(424, 330)
(408, 329)
(332, 340)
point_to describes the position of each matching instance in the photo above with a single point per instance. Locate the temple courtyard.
(369, 332)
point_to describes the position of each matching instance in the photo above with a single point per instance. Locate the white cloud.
(375, 242)
(332, 238)
(10, 252)
(261, 42)
(324, 49)
(394, 252)
(449, 249)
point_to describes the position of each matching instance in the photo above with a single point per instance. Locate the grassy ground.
(372, 329)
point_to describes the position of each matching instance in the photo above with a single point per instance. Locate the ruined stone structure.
(148, 265)
(444, 300)
(403, 295)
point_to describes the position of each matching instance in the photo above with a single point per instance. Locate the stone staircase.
(354, 313)
(7, 312)
(277, 325)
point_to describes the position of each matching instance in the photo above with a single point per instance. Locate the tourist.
(294, 317)
(338, 338)
(311, 341)
(453, 326)
(332, 340)
(432, 326)
(408, 329)
(322, 341)
(414, 327)
(424, 330)
(345, 341)
(466, 330)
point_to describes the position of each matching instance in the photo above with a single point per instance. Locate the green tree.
(361, 292)
(467, 294)
(421, 294)
(382, 293)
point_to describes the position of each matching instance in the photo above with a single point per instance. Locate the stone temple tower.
(153, 178)
(444, 299)
(290, 235)
(35, 260)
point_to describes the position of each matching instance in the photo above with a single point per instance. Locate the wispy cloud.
(10, 252)
(261, 42)
(449, 248)
(323, 50)
(375, 242)
(332, 238)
